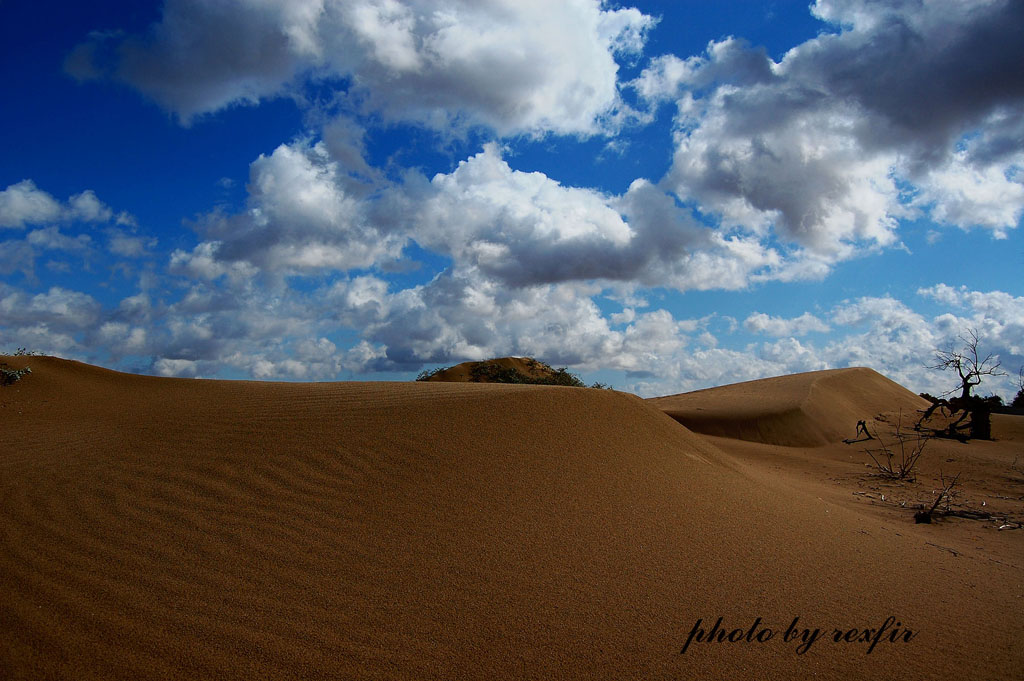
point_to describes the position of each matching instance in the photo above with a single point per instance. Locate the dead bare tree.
(967, 363)
(969, 414)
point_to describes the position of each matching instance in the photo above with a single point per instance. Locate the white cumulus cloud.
(301, 216)
(515, 65)
(910, 106)
(779, 326)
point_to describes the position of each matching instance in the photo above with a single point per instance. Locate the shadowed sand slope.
(801, 410)
(169, 528)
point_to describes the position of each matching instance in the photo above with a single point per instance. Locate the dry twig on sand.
(945, 493)
(901, 466)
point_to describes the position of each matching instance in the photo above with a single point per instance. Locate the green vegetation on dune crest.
(533, 372)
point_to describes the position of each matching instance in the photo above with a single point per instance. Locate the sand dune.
(802, 410)
(171, 528)
(1008, 428)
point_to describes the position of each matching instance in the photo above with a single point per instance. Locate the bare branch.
(901, 466)
(946, 492)
(967, 363)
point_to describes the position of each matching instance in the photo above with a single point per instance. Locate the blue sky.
(660, 195)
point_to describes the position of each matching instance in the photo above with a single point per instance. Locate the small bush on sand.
(9, 374)
(897, 465)
(486, 372)
(491, 372)
(427, 374)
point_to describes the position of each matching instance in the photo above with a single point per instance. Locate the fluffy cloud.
(961, 193)
(887, 335)
(48, 224)
(88, 208)
(515, 65)
(304, 214)
(822, 146)
(461, 314)
(308, 213)
(51, 238)
(893, 338)
(804, 162)
(525, 228)
(458, 315)
(883, 333)
(238, 327)
(998, 316)
(128, 245)
(16, 255)
(212, 329)
(778, 326)
(25, 204)
(58, 309)
(122, 339)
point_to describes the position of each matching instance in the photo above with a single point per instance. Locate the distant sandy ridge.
(801, 410)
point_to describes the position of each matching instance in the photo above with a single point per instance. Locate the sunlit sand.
(175, 528)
